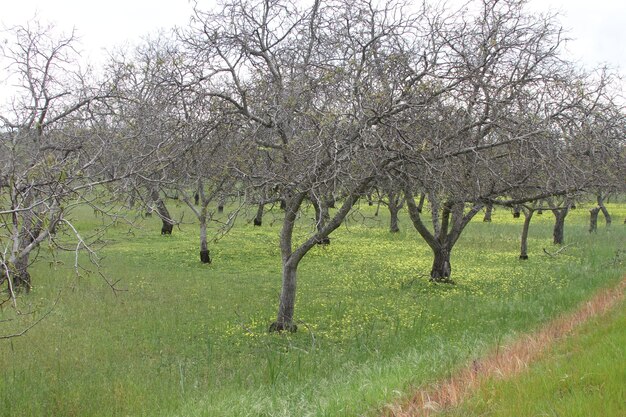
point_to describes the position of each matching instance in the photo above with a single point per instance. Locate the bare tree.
(484, 138)
(50, 153)
(210, 170)
(317, 85)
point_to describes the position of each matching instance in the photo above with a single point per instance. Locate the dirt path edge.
(503, 361)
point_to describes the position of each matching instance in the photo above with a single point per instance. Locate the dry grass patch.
(504, 361)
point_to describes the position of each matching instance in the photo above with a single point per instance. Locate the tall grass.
(191, 340)
(582, 376)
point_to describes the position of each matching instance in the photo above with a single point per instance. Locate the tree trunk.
(441, 269)
(205, 257)
(164, 214)
(258, 219)
(291, 257)
(30, 230)
(559, 225)
(394, 209)
(443, 239)
(284, 320)
(528, 214)
(393, 222)
(488, 212)
(593, 219)
(290, 261)
(605, 212)
(20, 277)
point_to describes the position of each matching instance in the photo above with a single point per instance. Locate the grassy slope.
(190, 339)
(584, 375)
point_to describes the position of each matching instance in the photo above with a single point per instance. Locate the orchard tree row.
(262, 103)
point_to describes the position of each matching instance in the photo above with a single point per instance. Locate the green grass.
(583, 376)
(190, 340)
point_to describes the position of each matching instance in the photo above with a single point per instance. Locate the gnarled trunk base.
(393, 224)
(164, 214)
(488, 213)
(278, 327)
(258, 219)
(20, 277)
(22, 281)
(205, 257)
(441, 269)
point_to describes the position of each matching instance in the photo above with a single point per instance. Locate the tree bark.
(605, 212)
(284, 320)
(291, 257)
(559, 225)
(593, 219)
(393, 222)
(205, 257)
(258, 219)
(163, 212)
(447, 230)
(441, 269)
(20, 276)
(488, 212)
(290, 261)
(528, 214)
(30, 233)
(395, 204)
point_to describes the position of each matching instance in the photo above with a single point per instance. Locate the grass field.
(583, 376)
(186, 339)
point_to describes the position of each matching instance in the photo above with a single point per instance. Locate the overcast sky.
(597, 26)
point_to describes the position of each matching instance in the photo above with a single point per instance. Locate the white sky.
(100, 24)
(597, 26)
(597, 29)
